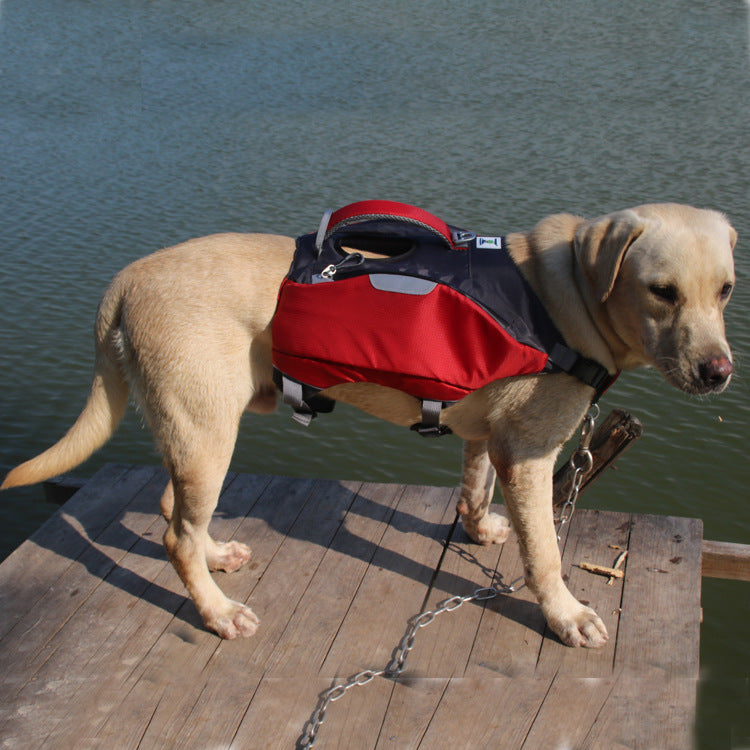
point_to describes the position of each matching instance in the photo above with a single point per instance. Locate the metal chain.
(582, 461)
(398, 662)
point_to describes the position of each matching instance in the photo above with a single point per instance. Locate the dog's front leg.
(527, 488)
(477, 489)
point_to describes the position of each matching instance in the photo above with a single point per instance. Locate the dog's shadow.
(108, 552)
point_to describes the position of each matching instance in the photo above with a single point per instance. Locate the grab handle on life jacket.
(360, 211)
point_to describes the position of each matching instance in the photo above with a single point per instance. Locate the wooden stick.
(608, 443)
(601, 570)
(618, 564)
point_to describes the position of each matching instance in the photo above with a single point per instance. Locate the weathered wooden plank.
(282, 707)
(169, 681)
(107, 676)
(75, 570)
(512, 626)
(282, 584)
(140, 623)
(591, 538)
(28, 572)
(287, 574)
(511, 632)
(270, 518)
(726, 560)
(303, 645)
(307, 638)
(396, 583)
(38, 666)
(568, 711)
(413, 703)
(205, 727)
(663, 704)
(443, 648)
(59, 490)
(145, 620)
(660, 620)
(136, 571)
(337, 571)
(79, 585)
(486, 712)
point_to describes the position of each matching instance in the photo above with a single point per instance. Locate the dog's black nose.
(715, 371)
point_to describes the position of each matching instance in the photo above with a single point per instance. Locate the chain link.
(582, 461)
(398, 662)
(331, 696)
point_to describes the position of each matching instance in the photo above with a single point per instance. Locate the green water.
(128, 126)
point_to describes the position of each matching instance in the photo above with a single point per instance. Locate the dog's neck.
(546, 260)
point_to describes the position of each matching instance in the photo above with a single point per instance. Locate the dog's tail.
(103, 411)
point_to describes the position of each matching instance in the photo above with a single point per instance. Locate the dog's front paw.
(492, 529)
(577, 626)
(238, 621)
(226, 556)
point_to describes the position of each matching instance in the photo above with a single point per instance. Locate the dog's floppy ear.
(732, 237)
(600, 247)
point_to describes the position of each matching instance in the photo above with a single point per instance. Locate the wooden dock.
(99, 647)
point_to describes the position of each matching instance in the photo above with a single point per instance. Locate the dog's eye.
(726, 290)
(665, 292)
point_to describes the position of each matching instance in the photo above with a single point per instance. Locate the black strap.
(592, 373)
(430, 425)
(587, 370)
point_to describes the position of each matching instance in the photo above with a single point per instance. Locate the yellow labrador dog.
(188, 331)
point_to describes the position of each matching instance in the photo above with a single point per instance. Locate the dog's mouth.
(709, 376)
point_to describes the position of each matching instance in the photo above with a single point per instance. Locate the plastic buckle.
(431, 430)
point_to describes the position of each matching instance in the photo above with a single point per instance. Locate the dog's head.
(658, 278)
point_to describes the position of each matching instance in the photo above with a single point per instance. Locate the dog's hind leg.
(197, 436)
(477, 489)
(197, 477)
(226, 556)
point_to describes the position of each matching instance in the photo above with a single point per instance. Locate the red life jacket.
(442, 314)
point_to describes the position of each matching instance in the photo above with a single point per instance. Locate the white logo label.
(489, 242)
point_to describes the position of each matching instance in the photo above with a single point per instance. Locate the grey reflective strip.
(292, 395)
(563, 357)
(431, 413)
(390, 282)
(303, 419)
(320, 236)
